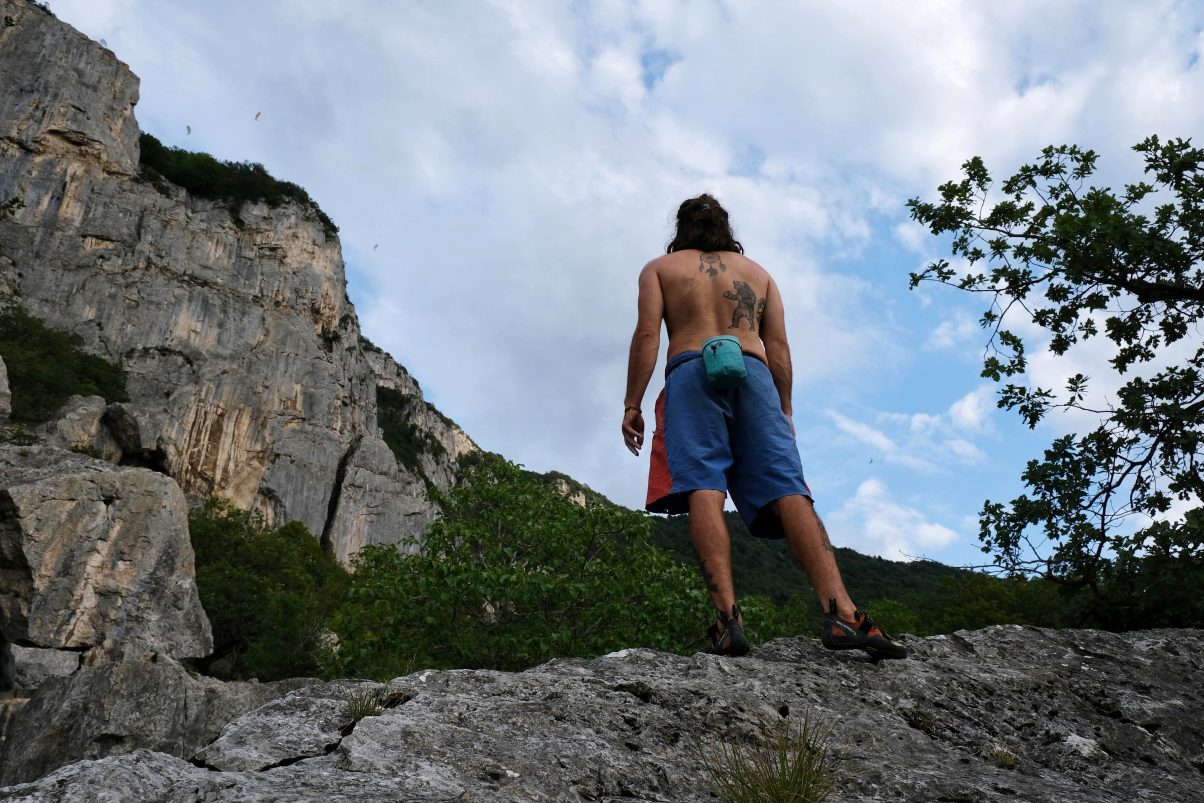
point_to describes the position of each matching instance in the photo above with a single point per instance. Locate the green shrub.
(765, 568)
(46, 367)
(764, 621)
(235, 182)
(793, 765)
(268, 591)
(408, 444)
(1159, 584)
(974, 600)
(512, 575)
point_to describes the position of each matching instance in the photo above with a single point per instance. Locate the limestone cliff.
(247, 376)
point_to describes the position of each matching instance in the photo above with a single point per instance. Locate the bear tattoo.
(747, 305)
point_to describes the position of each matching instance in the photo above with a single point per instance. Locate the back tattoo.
(747, 305)
(711, 264)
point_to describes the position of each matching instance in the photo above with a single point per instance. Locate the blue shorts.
(738, 441)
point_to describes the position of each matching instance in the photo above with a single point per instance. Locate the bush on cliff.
(268, 591)
(235, 182)
(46, 367)
(512, 575)
(394, 416)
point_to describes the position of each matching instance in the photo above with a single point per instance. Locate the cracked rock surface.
(1003, 714)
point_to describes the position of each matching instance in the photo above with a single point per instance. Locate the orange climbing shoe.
(862, 634)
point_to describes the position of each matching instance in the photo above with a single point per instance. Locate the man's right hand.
(633, 430)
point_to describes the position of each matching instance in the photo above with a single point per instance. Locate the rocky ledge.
(1006, 713)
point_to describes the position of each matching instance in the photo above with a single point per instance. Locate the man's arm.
(777, 349)
(645, 345)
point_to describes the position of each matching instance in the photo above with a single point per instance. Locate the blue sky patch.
(653, 66)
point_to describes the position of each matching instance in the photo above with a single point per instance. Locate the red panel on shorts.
(660, 481)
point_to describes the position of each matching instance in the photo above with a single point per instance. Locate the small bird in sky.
(189, 128)
(257, 116)
(374, 247)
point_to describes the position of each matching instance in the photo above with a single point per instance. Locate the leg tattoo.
(707, 577)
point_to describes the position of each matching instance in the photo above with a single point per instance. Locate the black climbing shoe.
(731, 641)
(862, 634)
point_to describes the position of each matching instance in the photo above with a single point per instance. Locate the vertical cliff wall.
(247, 376)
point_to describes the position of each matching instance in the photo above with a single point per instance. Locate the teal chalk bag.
(724, 361)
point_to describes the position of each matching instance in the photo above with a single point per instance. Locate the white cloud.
(972, 411)
(959, 332)
(866, 434)
(873, 523)
(913, 236)
(964, 449)
(930, 442)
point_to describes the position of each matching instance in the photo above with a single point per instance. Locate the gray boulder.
(95, 559)
(80, 426)
(1003, 714)
(318, 717)
(33, 666)
(115, 708)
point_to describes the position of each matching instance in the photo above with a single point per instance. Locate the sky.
(501, 171)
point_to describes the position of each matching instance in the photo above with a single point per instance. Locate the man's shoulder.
(665, 260)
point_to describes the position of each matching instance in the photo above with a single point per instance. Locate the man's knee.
(706, 501)
(793, 503)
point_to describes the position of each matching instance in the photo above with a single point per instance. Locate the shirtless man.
(710, 442)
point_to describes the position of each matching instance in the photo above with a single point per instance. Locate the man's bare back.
(712, 293)
(700, 294)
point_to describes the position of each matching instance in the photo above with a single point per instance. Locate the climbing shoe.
(731, 640)
(862, 634)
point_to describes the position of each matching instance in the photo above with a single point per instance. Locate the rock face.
(447, 442)
(6, 397)
(40, 103)
(95, 559)
(1003, 714)
(115, 708)
(246, 373)
(97, 599)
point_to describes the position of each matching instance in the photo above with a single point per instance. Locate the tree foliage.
(764, 567)
(268, 592)
(9, 208)
(235, 182)
(1083, 262)
(512, 575)
(46, 367)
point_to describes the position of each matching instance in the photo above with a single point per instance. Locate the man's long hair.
(702, 223)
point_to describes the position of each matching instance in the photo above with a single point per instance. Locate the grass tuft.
(1003, 758)
(367, 703)
(793, 765)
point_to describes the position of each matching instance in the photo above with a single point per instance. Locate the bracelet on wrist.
(632, 407)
